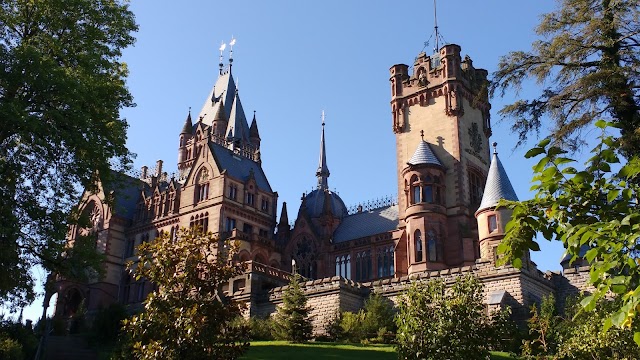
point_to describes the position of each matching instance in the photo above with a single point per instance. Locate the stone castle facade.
(444, 223)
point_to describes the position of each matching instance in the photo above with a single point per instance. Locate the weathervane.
(222, 47)
(231, 43)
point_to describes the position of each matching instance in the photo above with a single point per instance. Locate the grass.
(272, 350)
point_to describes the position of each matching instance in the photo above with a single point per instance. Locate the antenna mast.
(435, 21)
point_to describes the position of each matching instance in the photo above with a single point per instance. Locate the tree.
(543, 326)
(439, 323)
(62, 85)
(187, 317)
(582, 336)
(292, 321)
(588, 62)
(594, 209)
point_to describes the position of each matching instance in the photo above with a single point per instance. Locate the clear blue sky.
(294, 59)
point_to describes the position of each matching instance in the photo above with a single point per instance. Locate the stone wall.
(503, 286)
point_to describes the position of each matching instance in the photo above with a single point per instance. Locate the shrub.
(10, 349)
(292, 321)
(436, 323)
(261, 329)
(351, 324)
(107, 323)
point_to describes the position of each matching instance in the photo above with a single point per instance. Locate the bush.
(107, 323)
(333, 330)
(261, 329)
(10, 349)
(439, 323)
(352, 328)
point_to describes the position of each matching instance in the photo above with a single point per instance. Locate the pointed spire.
(220, 114)
(423, 154)
(253, 130)
(498, 185)
(284, 217)
(188, 125)
(323, 170)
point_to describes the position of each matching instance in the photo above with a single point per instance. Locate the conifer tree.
(292, 321)
(587, 65)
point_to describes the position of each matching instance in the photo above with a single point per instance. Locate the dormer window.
(250, 199)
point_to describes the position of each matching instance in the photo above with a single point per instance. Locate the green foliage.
(107, 323)
(586, 65)
(188, 317)
(439, 323)
(260, 329)
(582, 336)
(373, 324)
(17, 341)
(333, 329)
(593, 208)
(292, 321)
(10, 349)
(62, 85)
(543, 327)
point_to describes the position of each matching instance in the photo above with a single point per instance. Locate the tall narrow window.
(233, 192)
(476, 186)
(493, 223)
(415, 190)
(250, 199)
(418, 240)
(432, 246)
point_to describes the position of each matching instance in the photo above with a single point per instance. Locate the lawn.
(278, 350)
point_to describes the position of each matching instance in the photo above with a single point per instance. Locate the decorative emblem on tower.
(476, 139)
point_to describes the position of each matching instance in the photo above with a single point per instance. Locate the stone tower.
(446, 97)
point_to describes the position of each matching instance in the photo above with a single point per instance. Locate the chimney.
(143, 172)
(158, 168)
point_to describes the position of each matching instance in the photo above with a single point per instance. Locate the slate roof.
(498, 186)
(314, 203)
(367, 223)
(239, 167)
(424, 155)
(225, 93)
(126, 191)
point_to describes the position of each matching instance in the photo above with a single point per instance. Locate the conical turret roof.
(424, 155)
(498, 185)
(188, 125)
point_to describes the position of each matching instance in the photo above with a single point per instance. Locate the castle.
(444, 223)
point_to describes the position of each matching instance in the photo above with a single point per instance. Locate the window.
(363, 265)
(126, 289)
(432, 246)
(230, 224)
(476, 187)
(129, 248)
(246, 228)
(493, 223)
(140, 295)
(263, 233)
(202, 192)
(250, 198)
(385, 261)
(418, 240)
(343, 266)
(233, 192)
(415, 190)
(265, 205)
(201, 221)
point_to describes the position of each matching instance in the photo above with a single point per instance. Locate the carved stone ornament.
(476, 138)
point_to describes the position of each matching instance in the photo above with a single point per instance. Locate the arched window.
(418, 240)
(415, 190)
(432, 246)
